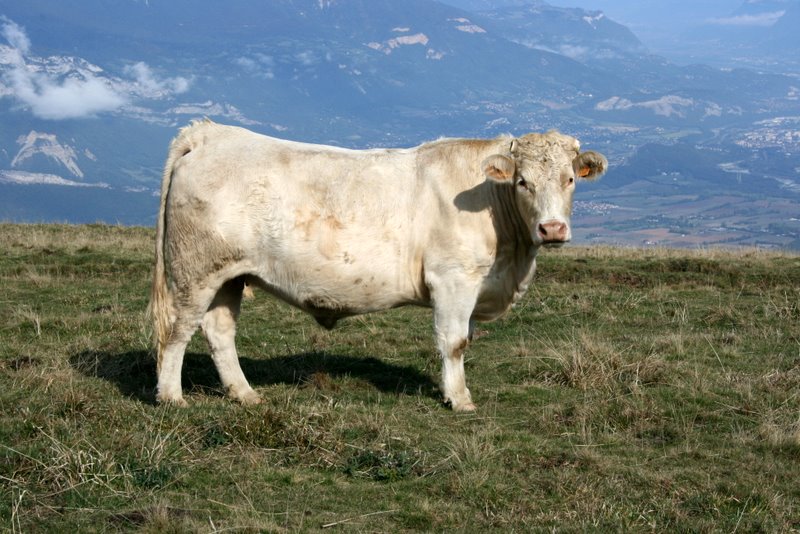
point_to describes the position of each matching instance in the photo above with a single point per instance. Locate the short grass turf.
(631, 390)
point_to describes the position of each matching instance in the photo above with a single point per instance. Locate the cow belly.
(327, 290)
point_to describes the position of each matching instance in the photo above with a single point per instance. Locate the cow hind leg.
(219, 328)
(170, 362)
(169, 369)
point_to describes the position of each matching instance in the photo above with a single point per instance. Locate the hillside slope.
(630, 390)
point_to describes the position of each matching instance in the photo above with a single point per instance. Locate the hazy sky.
(653, 14)
(661, 24)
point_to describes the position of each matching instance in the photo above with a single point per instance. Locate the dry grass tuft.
(784, 306)
(588, 363)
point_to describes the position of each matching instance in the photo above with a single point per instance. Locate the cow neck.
(511, 228)
(516, 253)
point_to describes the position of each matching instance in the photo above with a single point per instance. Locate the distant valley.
(91, 92)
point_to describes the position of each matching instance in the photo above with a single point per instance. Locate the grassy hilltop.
(645, 390)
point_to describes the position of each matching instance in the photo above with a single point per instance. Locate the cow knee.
(459, 347)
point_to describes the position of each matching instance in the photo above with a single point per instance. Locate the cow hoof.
(249, 398)
(462, 406)
(465, 407)
(172, 401)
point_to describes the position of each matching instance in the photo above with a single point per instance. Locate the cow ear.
(589, 165)
(499, 168)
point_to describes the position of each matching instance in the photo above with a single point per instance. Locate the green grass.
(631, 390)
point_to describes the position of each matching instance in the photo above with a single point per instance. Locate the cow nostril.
(542, 231)
(552, 232)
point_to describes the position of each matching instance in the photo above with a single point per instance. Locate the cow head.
(542, 169)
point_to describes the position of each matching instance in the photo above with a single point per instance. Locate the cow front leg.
(452, 326)
(454, 384)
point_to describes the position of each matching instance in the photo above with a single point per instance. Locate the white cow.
(454, 224)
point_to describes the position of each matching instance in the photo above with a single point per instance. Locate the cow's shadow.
(134, 372)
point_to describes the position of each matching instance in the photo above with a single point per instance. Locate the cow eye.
(522, 183)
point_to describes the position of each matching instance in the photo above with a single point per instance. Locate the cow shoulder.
(462, 240)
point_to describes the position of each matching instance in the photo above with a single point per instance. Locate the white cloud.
(83, 95)
(73, 98)
(259, 65)
(59, 88)
(149, 85)
(16, 36)
(761, 19)
(713, 110)
(246, 63)
(306, 58)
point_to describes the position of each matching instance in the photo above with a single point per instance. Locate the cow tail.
(160, 310)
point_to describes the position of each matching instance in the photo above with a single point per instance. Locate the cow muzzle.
(553, 232)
